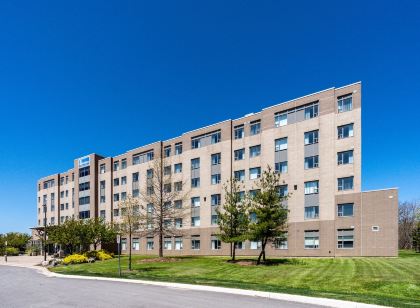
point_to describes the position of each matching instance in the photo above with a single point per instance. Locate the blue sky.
(107, 76)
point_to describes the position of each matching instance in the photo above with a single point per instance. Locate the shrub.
(102, 255)
(12, 251)
(75, 259)
(91, 254)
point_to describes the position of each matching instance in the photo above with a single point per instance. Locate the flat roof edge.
(382, 189)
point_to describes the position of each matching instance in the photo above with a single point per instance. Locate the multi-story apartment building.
(313, 141)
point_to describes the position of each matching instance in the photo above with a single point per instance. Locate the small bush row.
(84, 258)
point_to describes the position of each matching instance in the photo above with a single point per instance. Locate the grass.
(384, 281)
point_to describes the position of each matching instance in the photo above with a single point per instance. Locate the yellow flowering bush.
(75, 259)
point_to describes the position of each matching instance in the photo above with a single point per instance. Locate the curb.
(326, 302)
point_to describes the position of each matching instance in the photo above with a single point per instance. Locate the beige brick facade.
(336, 222)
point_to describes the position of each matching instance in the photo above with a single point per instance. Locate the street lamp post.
(45, 231)
(5, 252)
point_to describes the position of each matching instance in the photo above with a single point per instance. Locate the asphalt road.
(22, 287)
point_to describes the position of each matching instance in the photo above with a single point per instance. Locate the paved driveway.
(23, 287)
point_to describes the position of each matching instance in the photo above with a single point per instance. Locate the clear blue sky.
(108, 76)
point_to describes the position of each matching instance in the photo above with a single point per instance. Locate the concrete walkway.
(33, 263)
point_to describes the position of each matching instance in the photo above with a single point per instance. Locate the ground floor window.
(255, 244)
(136, 244)
(345, 238)
(167, 244)
(312, 239)
(281, 243)
(123, 244)
(195, 242)
(215, 243)
(150, 243)
(240, 245)
(178, 243)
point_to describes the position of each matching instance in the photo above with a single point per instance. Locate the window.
(102, 191)
(197, 142)
(195, 201)
(281, 167)
(255, 127)
(178, 243)
(195, 182)
(239, 154)
(116, 197)
(124, 163)
(345, 131)
(345, 210)
(116, 182)
(344, 158)
(239, 131)
(311, 187)
(216, 159)
(149, 173)
(311, 162)
(375, 228)
(136, 193)
(123, 244)
(167, 188)
(345, 183)
(178, 168)
(255, 244)
(178, 204)
(178, 148)
(167, 170)
(62, 180)
(85, 171)
(102, 214)
(178, 186)
(281, 243)
(178, 223)
(345, 103)
(240, 175)
(255, 151)
(215, 199)
(345, 238)
(253, 192)
(150, 207)
(195, 242)
(312, 239)
(216, 244)
(254, 173)
(195, 163)
(311, 137)
(241, 195)
(240, 245)
(215, 137)
(136, 244)
(280, 119)
(116, 165)
(311, 111)
(84, 215)
(150, 243)
(253, 217)
(123, 180)
(167, 243)
(283, 190)
(143, 157)
(214, 219)
(167, 151)
(280, 144)
(311, 212)
(123, 196)
(116, 212)
(195, 221)
(215, 179)
(84, 200)
(135, 177)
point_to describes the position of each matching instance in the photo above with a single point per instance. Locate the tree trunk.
(259, 258)
(129, 254)
(263, 244)
(160, 244)
(233, 251)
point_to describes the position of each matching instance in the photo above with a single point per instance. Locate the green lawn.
(383, 281)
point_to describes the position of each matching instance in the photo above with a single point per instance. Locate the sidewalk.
(33, 263)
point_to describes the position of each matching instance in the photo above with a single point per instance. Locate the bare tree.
(408, 215)
(162, 210)
(130, 220)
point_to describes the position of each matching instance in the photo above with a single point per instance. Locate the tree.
(130, 220)
(15, 239)
(163, 202)
(408, 215)
(233, 218)
(416, 237)
(269, 211)
(100, 232)
(70, 235)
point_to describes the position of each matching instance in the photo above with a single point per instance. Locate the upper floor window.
(281, 167)
(195, 201)
(178, 168)
(254, 173)
(178, 148)
(135, 177)
(345, 103)
(149, 173)
(123, 163)
(345, 183)
(85, 171)
(239, 154)
(280, 119)
(116, 165)
(239, 131)
(344, 210)
(311, 137)
(255, 127)
(280, 144)
(62, 180)
(283, 190)
(195, 163)
(215, 199)
(116, 181)
(240, 175)
(199, 141)
(255, 151)
(167, 151)
(344, 158)
(216, 159)
(311, 187)
(215, 137)
(311, 111)
(167, 170)
(345, 131)
(143, 157)
(102, 169)
(84, 186)
(311, 162)
(51, 183)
